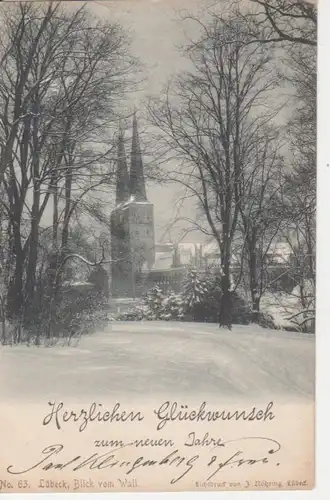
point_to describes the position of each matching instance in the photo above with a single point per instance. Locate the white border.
(323, 253)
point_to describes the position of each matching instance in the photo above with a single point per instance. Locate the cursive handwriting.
(170, 412)
(94, 413)
(231, 454)
(237, 457)
(107, 460)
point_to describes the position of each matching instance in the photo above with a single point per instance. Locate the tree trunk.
(67, 208)
(55, 215)
(35, 219)
(255, 298)
(33, 254)
(255, 308)
(15, 289)
(225, 310)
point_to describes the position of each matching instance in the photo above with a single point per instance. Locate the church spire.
(122, 188)
(137, 184)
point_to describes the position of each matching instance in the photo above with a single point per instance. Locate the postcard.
(157, 255)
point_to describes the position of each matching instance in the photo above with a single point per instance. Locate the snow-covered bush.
(138, 312)
(156, 306)
(201, 296)
(266, 320)
(199, 301)
(173, 307)
(153, 303)
(196, 287)
(76, 310)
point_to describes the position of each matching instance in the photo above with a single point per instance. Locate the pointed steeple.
(122, 188)
(137, 184)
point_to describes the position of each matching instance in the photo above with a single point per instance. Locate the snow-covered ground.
(154, 358)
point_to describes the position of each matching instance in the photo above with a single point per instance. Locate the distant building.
(137, 262)
(132, 222)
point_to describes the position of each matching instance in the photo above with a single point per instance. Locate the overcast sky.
(156, 32)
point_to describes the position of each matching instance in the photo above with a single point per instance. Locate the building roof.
(130, 186)
(137, 183)
(279, 251)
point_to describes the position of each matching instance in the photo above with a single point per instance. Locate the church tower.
(132, 222)
(137, 183)
(122, 187)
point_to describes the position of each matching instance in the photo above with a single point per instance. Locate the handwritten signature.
(231, 454)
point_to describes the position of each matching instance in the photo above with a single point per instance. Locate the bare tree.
(293, 21)
(211, 117)
(260, 222)
(299, 196)
(61, 77)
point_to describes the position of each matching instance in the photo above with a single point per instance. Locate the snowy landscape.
(157, 245)
(145, 360)
(157, 216)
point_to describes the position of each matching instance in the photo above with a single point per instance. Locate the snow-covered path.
(154, 358)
